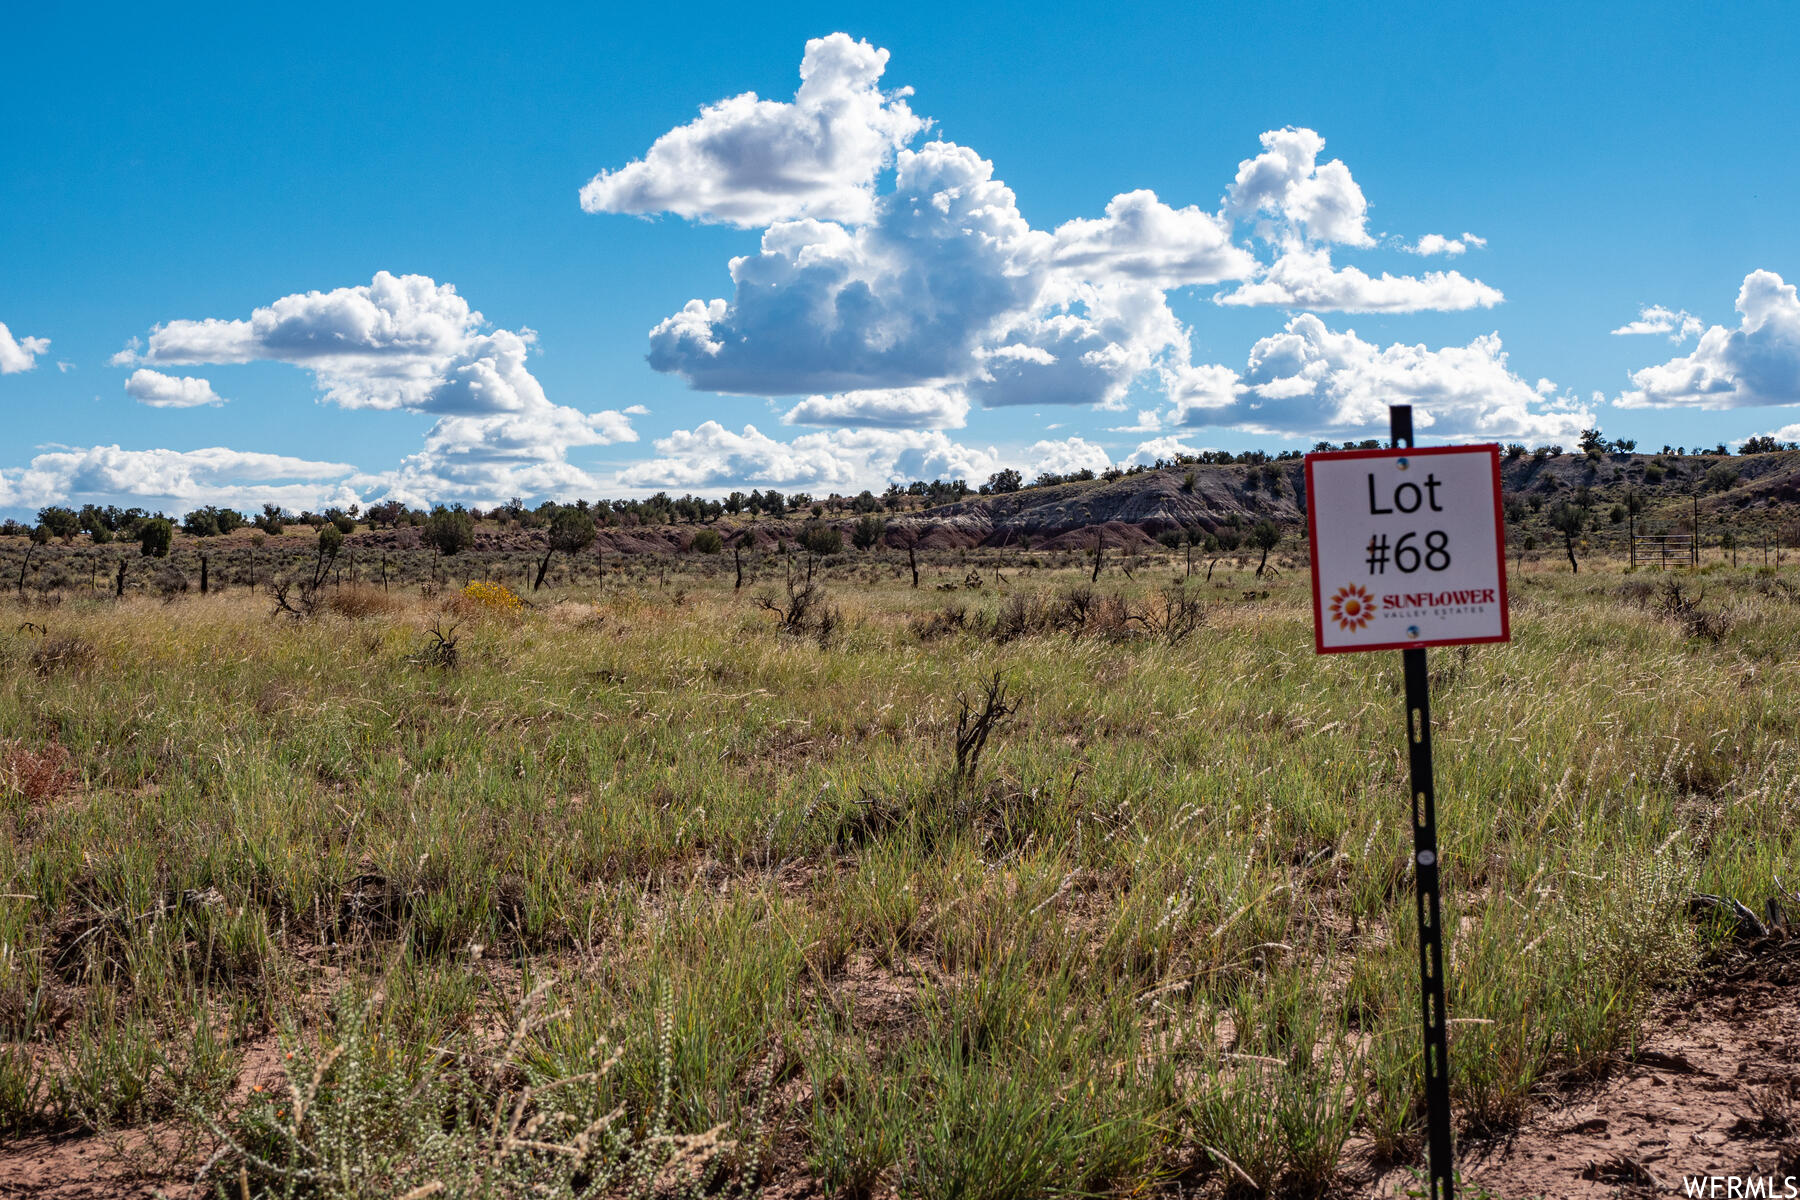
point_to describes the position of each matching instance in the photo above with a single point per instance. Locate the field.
(1012, 884)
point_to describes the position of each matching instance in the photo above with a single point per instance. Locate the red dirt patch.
(1713, 1090)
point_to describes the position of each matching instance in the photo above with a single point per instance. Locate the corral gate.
(1662, 550)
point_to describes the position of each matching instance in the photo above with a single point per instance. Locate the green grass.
(1161, 935)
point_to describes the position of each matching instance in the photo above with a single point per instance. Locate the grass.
(643, 868)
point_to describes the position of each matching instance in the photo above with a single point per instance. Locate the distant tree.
(331, 540)
(1569, 520)
(344, 521)
(708, 541)
(1721, 477)
(1003, 481)
(1265, 536)
(867, 533)
(64, 523)
(821, 539)
(571, 531)
(154, 536)
(271, 519)
(449, 530)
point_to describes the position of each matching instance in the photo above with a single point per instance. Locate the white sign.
(1408, 548)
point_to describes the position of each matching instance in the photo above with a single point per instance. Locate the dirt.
(1712, 1090)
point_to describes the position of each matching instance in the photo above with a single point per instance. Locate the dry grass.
(1161, 921)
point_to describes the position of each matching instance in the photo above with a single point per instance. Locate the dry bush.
(35, 776)
(359, 601)
(1686, 612)
(806, 612)
(63, 654)
(929, 627)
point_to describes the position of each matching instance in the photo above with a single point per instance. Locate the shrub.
(821, 539)
(154, 537)
(449, 530)
(1722, 478)
(868, 532)
(493, 597)
(707, 541)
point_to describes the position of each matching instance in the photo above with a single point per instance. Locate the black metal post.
(1425, 865)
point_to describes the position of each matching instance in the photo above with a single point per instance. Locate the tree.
(449, 530)
(707, 541)
(154, 537)
(821, 539)
(868, 531)
(64, 523)
(1003, 481)
(1265, 536)
(571, 532)
(271, 519)
(1569, 520)
(331, 540)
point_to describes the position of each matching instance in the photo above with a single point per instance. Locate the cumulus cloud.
(1654, 318)
(1310, 380)
(179, 478)
(877, 305)
(901, 302)
(1086, 349)
(408, 342)
(844, 460)
(1437, 243)
(1302, 208)
(1287, 186)
(1165, 448)
(170, 391)
(1066, 456)
(747, 161)
(1756, 364)
(1142, 240)
(19, 354)
(1303, 277)
(884, 408)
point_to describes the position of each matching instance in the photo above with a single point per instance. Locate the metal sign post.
(1425, 863)
(1408, 551)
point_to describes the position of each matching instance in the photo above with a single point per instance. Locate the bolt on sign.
(1407, 548)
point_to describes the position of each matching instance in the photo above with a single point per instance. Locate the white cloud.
(1303, 277)
(1756, 364)
(1148, 421)
(901, 302)
(747, 161)
(1066, 457)
(1087, 349)
(884, 408)
(1437, 243)
(178, 479)
(19, 354)
(1654, 318)
(1165, 448)
(1302, 198)
(409, 342)
(711, 457)
(1142, 240)
(398, 342)
(169, 391)
(1787, 433)
(1302, 209)
(1310, 380)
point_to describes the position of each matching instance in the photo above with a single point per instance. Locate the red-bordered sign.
(1408, 548)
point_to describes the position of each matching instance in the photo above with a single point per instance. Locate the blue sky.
(1082, 238)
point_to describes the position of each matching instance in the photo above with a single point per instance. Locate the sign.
(1408, 548)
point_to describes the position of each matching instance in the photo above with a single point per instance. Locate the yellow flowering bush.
(495, 597)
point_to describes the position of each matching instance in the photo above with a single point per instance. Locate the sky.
(257, 255)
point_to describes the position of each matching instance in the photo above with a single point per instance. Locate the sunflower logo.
(1352, 607)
